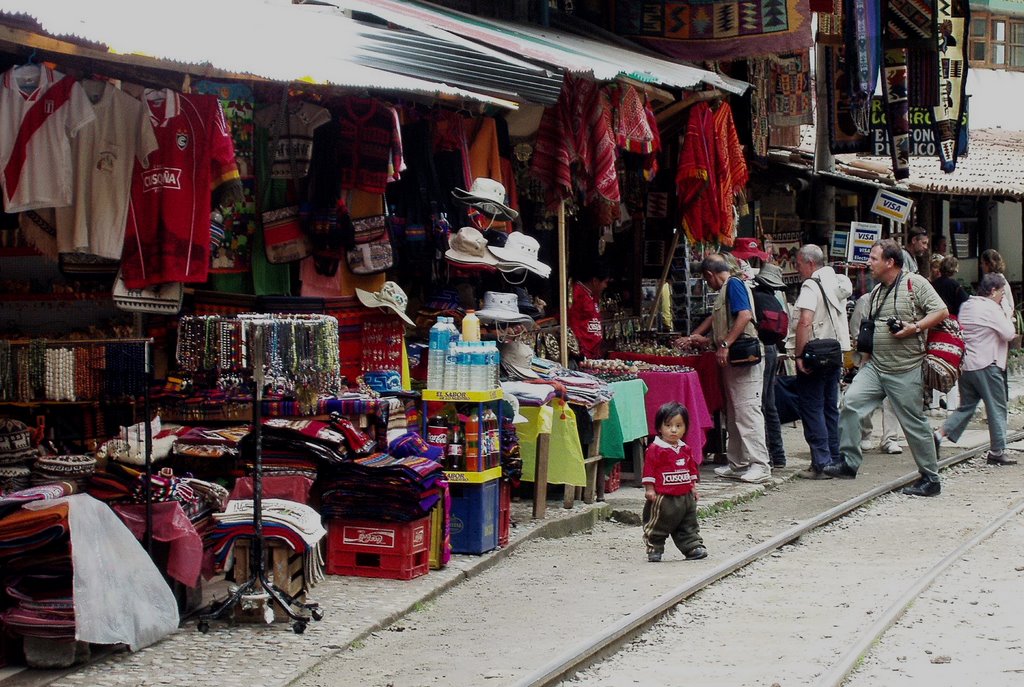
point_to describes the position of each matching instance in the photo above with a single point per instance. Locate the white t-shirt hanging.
(104, 155)
(294, 138)
(36, 127)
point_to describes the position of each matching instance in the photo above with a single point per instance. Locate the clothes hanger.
(27, 75)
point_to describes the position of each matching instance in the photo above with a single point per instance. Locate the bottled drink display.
(473, 436)
(437, 433)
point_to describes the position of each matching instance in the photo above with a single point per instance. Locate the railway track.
(609, 640)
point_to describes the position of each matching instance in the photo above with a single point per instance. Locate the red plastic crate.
(613, 480)
(392, 550)
(504, 512)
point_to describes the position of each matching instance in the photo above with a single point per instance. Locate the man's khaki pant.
(742, 387)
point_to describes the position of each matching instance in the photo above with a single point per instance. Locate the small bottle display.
(474, 454)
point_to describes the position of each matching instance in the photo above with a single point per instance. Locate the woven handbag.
(944, 355)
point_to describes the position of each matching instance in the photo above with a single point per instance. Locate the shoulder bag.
(746, 349)
(371, 252)
(284, 237)
(823, 354)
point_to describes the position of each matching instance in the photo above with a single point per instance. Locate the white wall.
(1008, 238)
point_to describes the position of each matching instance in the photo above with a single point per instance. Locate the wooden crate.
(284, 568)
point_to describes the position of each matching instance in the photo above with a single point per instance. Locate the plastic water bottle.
(465, 362)
(438, 349)
(451, 366)
(478, 367)
(493, 365)
(470, 326)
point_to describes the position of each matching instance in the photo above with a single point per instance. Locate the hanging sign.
(892, 206)
(862, 236)
(840, 240)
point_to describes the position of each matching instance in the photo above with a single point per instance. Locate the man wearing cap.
(769, 279)
(731, 318)
(584, 313)
(822, 315)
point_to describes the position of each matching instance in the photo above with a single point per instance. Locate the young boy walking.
(670, 478)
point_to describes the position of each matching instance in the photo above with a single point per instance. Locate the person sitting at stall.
(584, 313)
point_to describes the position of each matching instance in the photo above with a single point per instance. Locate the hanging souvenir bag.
(284, 238)
(944, 355)
(163, 299)
(371, 252)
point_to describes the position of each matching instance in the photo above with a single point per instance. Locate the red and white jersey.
(167, 234)
(36, 127)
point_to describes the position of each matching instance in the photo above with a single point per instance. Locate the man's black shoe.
(999, 459)
(923, 487)
(839, 469)
(778, 462)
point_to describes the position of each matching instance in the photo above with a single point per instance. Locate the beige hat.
(517, 358)
(487, 196)
(390, 296)
(468, 245)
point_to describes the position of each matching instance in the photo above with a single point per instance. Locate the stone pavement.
(247, 655)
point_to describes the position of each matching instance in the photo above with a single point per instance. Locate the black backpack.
(772, 320)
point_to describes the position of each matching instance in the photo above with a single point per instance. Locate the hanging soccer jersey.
(40, 111)
(167, 235)
(103, 157)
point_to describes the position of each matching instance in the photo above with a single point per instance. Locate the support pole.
(563, 290)
(664, 276)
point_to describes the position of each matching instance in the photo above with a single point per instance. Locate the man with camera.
(822, 334)
(903, 306)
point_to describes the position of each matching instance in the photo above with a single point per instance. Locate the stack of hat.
(16, 454)
(69, 468)
(517, 360)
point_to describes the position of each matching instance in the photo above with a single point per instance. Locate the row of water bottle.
(457, 364)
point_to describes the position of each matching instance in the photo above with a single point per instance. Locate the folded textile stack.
(295, 524)
(14, 500)
(35, 560)
(381, 487)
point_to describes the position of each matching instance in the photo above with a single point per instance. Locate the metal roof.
(269, 39)
(567, 51)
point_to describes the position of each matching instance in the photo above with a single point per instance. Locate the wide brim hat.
(771, 276)
(390, 296)
(502, 307)
(517, 358)
(469, 247)
(488, 197)
(749, 248)
(521, 250)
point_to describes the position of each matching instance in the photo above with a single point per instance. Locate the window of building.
(996, 42)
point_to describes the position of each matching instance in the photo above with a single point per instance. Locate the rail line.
(612, 638)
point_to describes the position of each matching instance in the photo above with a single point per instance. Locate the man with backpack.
(738, 352)
(772, 328)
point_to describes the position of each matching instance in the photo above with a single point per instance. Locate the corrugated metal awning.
(994, 167)
(606, 62)
(266, 39)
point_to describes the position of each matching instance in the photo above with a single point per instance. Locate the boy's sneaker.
(728, 472)
(696, 553)
(892, 448)
(867, 445)
(654, 557)
(756, 474)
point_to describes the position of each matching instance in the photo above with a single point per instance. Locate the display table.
(627, 418)
(547, 426)
(704, 364)
(686, 388)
